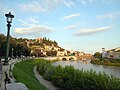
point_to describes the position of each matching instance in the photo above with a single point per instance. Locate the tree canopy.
(98, 55)
(20, 46)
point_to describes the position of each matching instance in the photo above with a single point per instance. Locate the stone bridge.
(66, 58)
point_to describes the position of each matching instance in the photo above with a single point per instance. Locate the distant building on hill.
(39, 40)
(111, 54)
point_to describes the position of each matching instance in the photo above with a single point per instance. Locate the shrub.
(69, 78)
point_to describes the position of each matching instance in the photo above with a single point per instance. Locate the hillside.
(26, 47)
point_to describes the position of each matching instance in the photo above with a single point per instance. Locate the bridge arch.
(64, 59)
(71, 58)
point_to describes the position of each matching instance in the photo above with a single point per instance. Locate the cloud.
(24, 23)
(93, 31)
(33, 7)
(109, 15)
(51, 4)
(33, 20)
(44, 5)
(68, 3)
(33, 31)
(85, 2)
(70, 16)
(72, 26)
(30, 21)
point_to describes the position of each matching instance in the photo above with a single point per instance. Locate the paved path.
(44, 82)
(12, 85)
(16, 86)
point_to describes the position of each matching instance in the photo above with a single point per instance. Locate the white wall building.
(104, 53)
(113, 53)
(60, 53)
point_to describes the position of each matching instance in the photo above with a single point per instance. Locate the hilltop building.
(39, 40)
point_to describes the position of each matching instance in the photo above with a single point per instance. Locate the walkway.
(12, 85)
(46, 83)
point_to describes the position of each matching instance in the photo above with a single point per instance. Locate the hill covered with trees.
(23, 46)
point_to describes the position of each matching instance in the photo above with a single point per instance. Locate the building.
(39, 40)
(61, 53)
(104, 53)
(111, 54)
(81, 53)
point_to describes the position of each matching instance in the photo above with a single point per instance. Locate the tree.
(53, 53)
(48, 53)
(98, 55)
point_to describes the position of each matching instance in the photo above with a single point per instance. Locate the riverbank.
(69, 78)
(109, 62)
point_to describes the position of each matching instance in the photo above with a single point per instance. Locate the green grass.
(23, 72)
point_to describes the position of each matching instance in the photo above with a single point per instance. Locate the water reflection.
(86, 65)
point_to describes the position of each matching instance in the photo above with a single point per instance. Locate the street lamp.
(9, 20)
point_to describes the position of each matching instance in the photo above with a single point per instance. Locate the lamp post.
(9, 21)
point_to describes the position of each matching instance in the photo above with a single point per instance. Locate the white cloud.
(92, 31)
(33, 31)
(45, 5)
(68, 3)
(70, 16)
(34, 7)
(85, 2)
(30, 21)
(24, 23)
(33, 20)
(72, 26)
(51, 4)
(109, 15)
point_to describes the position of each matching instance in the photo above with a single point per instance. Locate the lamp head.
(9, 17)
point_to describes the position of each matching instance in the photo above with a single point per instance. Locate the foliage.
(68, 78)
(51, 53)
(49, 42)
(98, 55)
(23, 72)
(18, 46)
(103, 61)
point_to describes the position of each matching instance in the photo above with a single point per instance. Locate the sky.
(80, 25)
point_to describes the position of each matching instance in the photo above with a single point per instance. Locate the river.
(110, 70)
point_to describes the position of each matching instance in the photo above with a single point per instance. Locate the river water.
(86, 65)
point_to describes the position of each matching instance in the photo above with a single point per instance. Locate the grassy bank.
(68, 78)
(109, 62)
(23, 72)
